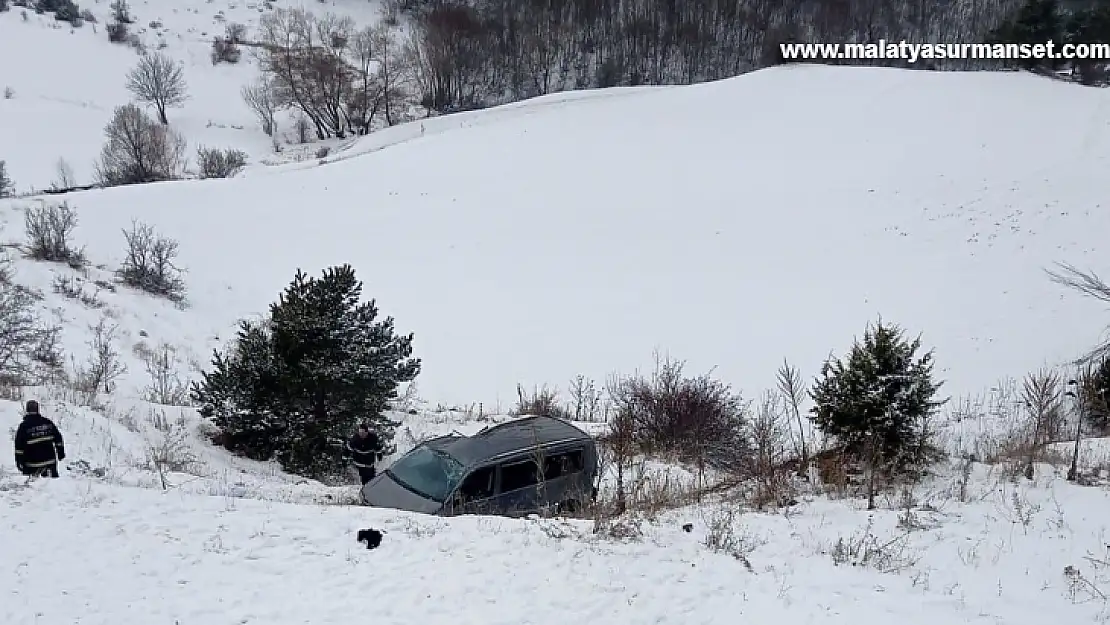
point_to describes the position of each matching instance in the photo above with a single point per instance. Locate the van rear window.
(565, 463)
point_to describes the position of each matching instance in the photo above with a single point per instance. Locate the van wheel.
(569, 506)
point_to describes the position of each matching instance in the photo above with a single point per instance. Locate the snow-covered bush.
(148, 263)
(49, 229)
(217, 163)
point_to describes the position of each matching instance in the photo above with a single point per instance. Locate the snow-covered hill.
(61, 83)
(732, 224)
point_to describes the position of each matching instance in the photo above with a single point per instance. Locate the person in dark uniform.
(364, 449)
(38, 444)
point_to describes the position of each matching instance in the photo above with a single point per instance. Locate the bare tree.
(793, 392)
(1042, 394)
(770, 427)
(585, 399)
(1089, 284)
(65, 179)
(392, 71)
(138, 150)
(104, 366)
(158, 81)
(259, 97)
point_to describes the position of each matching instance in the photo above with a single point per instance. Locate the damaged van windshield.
(429, 473)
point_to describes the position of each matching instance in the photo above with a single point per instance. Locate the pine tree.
(1036, 22)
(1094, 388)
(296, 387)
(7, 189)
(880, 399)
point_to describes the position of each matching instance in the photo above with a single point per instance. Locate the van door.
(475, 494)
(562, 477)
(516, 489)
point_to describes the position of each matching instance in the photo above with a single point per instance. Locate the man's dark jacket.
(38, 445)
(364, 450)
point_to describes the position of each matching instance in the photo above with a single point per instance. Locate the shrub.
(138, 150)
(543, 402)
(49, 229)
(149, 263)
(217, 163)
(225, 50)
(877, 404)
(294, 386)
(699, 420)
(117, 32)
(103, 365)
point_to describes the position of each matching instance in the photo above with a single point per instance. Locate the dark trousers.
(50, 470)
(366, 473)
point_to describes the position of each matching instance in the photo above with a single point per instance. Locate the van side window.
(478, 485)
(565, 463)
(518, 475)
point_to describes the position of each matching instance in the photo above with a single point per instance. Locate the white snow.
(731, 224)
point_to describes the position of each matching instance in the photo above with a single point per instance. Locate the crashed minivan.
(525, 466)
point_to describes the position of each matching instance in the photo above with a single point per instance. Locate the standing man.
(38, 444)
(365, 448)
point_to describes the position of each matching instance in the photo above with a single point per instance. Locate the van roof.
(506, 438)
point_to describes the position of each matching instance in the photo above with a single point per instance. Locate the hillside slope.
(64, 83)
(732, 224)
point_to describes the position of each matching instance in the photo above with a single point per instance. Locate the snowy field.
(83, 550)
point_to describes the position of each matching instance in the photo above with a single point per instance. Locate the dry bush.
(225, 50)
(585, 400)
(138, 150)
(49, 230)
(722, 536)
(867, 550)
(149, 263)
(103, 365)
(169, 450)
(74, 288)
(697, 420)
(165, 387)
(217, 163)
(543, 402)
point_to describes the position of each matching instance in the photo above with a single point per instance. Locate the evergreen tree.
(295, 387)
(1036, 22)
(1090, 26)
(879, 401)
(7, 189)
(1094, 389)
